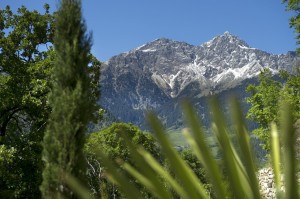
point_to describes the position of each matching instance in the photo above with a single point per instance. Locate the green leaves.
(27, 58)
(294, 5)
(265, 99)
(276, 161)
(24, 66)
(116, 142)
(202, 150)
(24, 74)
(240, 167)
(188, 179)
(288, 139)
(239, 179)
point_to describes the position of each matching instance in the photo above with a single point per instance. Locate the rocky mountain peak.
(226, 40)
(162, 44)
(160, 73)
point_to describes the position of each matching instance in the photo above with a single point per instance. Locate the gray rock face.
(157, 75)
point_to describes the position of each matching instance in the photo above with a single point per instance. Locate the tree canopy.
(294, 5)
(264, 104)
(25, 65)
(27, 59)
(265, 99)
(273, 89)
(111, 142)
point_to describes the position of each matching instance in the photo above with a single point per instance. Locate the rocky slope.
(159, 74)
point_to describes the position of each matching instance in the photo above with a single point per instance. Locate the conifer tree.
(71, 101)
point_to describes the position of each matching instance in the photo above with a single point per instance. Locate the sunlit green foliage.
(264, 105)
(291, 92)
(240, 167)
(110, 141)
(294, 6)
(26, 59)
(265, 99)
(26, 62)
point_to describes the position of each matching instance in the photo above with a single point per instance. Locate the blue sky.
(120, 25)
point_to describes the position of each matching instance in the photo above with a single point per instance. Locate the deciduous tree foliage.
(26, 60)
(111, 142)
(291, 92)
(294, 5)
(72, 103)
(264, 105)
(26, 63)
(266, 97)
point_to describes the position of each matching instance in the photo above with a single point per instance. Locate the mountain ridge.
(160, 73)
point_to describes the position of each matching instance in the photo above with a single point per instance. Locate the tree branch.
(8, 118)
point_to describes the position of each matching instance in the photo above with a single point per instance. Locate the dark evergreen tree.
(72, 103)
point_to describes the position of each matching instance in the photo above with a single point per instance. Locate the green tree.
(194, 164)
(26, 63)
(265, 97)
(7, 156)
(72, 103)
(110, 141)
(291, 91)
(264, 105)
(26, 59)
(294, 5)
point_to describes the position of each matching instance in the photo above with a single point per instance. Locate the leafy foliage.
(25, 63)
(241, 169)
(291, 92)
(294, 5)
(72, 103)
(26, 59)
(7, 157)
(264, 104)
(193, 162)
(265, 99)
(111, 142)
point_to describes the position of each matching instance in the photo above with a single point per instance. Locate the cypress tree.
(71, 101)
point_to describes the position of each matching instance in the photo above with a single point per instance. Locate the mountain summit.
(157, 75)
(226, 40)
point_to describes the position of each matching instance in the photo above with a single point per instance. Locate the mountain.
(158, 75)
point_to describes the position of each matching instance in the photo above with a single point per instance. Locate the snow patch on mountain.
(245, 47)
(149, 50)
(248, 71)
